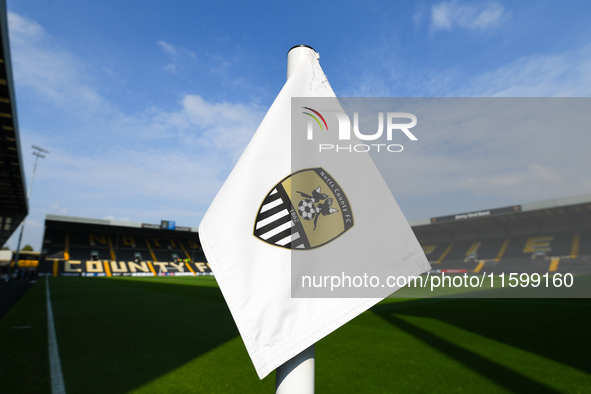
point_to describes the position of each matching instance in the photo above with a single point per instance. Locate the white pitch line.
(55, 365)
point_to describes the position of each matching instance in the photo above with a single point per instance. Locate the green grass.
(155, 335)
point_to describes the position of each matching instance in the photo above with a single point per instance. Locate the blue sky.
(146, 105)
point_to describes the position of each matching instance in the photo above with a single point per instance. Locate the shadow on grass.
(23, 345)
(117, 335)
(554, 329)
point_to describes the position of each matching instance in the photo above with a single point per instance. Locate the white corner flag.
(269, 214)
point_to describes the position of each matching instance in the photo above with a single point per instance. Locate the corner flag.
(276, 209)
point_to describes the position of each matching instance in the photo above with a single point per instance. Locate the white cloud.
(161, 159)
(566, 74)
(169, 48)
(502, 150)
(145, 165)
(483, 16)
(52, 72)
(178, 56)
(24, 27)
(228, 127)
(559, 74)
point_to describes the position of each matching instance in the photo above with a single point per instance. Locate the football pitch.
(174, 335)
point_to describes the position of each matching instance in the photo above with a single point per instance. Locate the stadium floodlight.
(38, 152)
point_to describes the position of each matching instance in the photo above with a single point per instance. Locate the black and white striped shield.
(305, 210)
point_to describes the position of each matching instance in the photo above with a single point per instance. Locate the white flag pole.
(296, 376)
(295, 56)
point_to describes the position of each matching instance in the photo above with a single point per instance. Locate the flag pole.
(295, 56)
(296, 376)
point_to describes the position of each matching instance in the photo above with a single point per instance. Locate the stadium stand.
(546, 236)
(584, 243)
(95, 247)
(15, 277)
(13, 202)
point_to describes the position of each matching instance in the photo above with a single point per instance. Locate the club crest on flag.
(305, 210)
